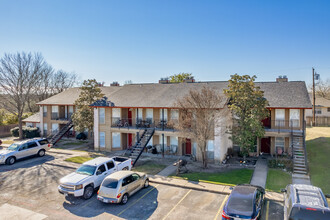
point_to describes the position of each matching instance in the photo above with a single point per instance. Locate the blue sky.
(145, 40)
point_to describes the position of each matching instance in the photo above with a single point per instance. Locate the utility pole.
(313, 122)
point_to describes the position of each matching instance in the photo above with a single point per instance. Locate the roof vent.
(189, 79)
(114, 83)
(282, 79)
(164, 80)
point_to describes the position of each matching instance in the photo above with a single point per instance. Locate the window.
(150, 142)
(279, 145)
(42, 142)
(174, 140)
(279, 117)
(116, 112)
(110, 165)
(174, 114)
(194, 150)
(318, 111)
(24, 147)
(127, 180)
(45, 129)
(102, 115)
(149, 113)
(102, 139)
(210, 149)
(135, 176)
(161, 140)
(139, 112)
(38, 125)
(110, 183)
(70, 111)
(29, 124)
(54, 127)
(161, 114)
(32, 144)
(116, 142)
(100, 170)
(54, 109)
(294, 117)
(44, 111)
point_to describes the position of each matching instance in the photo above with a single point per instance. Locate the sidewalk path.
(301, 179)
(260, 173)
(169, 170)
(203, 186)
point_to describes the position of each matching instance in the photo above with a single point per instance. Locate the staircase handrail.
(145, 144)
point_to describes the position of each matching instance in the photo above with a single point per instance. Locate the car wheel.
(146, 183)
(88, 192)
(124, 200)
(125, 168)
(10, 160)
(41, 153)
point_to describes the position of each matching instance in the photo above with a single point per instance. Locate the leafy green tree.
(248, 105)
(84, 116)
(176, 78)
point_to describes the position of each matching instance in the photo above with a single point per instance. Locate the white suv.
(36, 146)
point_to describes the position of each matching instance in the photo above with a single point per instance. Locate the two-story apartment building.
(127, 110)
(322, 112)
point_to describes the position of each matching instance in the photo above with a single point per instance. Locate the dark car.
(302, 202)
(244, 202)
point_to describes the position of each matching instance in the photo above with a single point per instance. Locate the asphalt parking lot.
(29, 188)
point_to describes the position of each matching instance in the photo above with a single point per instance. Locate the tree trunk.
(20, 127)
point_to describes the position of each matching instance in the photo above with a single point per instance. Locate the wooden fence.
(5, 130)
(320, 121)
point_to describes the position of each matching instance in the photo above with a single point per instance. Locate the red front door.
(129, 117)
(188, 146)
(265, 145)
(130, 140)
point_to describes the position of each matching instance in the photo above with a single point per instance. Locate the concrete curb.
(206, 187)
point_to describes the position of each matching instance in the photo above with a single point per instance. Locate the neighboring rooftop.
(279, 94)
(320, 101)
(33, 118)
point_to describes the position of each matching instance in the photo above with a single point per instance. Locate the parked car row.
(301, 202)
(111, 175)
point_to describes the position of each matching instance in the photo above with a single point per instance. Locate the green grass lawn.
(78, 159)
(318, 152)
(232, 177)
(149, 168)
(277, 179)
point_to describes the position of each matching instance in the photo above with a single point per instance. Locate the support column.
(41, 120)
(96, 129)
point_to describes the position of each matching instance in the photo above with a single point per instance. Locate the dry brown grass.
(316, 132)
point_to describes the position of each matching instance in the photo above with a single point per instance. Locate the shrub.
(280, 163)
(27, 132)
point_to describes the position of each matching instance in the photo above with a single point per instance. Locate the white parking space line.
(137, 200)
(177, 204)
(221, 207)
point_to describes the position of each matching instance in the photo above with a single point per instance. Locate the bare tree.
(322, 88)
(62, 80)
(19, 73)
(199, 111)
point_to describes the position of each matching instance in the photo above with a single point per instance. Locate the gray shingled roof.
(33, 118)
(279, 95)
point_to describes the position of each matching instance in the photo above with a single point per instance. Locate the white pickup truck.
(90, 175)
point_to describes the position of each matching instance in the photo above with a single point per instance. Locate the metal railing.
(142, 123)
(283, 124)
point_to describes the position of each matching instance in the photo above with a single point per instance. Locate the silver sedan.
(117, 187)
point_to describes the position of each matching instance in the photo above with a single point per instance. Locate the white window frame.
(294, 117)
(102, 139)
(116, 140)
(139, 113)
(149, 113)
(280, 117)
(161, 114)
(174, 114)
(279, 143)
(102, 115)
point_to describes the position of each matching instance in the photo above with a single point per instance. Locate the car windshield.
(13, 147)
(86, 169)
(110, 183)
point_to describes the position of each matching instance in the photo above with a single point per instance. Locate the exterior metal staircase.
(58, 135)
(299, 154)
(141, 144)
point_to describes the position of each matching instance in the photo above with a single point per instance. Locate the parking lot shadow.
(275, 210)
(141, 205)
(27, 162)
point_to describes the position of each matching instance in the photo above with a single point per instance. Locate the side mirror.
(98, 172)
(283, 190)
